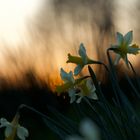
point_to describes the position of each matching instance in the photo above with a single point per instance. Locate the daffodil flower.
(87, 89)
(12, 129)
(124, 47)
(66, 77)
(76, 88)
(68, 85)
(81, 60)
(70, 82)
(88, 130)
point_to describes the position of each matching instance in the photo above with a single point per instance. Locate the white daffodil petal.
(119, 38)
(82, 51)
(63, 74)
(3, 122)
(66, 77)
(89, 130)
(90, 84)
(8, 130)
(92, 89)
(93, 95)
(79, 99)
(78, 69)
(72, 95)
(22, 132)
(128, 37)
(133, 50)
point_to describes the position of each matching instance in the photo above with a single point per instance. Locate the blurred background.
(37, 35)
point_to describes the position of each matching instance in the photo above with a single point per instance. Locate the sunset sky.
(38, 34)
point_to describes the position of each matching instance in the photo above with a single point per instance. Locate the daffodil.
(81, 60)
(88, 130)
(76, 88)
(67, 77)
(124, 47)
(87, 89)
(84, 89)
(68, 85)
(13, 128)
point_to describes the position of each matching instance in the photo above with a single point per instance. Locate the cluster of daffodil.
(13, 129)
(84, 87)
(77, 88)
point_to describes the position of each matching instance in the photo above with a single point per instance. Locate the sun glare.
(13, 17)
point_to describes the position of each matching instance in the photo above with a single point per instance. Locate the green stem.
(113, 77)
(101, 63)
(22, 106)
(118, 92)
(135, 74)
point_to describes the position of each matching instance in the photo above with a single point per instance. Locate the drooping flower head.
(13, 128)
(124, 46)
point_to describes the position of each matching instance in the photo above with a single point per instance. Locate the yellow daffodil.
(81, 60)
(12, 129)
(124, 47)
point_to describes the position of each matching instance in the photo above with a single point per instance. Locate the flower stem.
(59, 125)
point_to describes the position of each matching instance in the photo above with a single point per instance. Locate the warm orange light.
(36, 38)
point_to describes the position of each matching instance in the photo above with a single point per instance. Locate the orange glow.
(35, 38)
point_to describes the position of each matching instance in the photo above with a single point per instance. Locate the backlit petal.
(82, 51)
(4, 122)
(79, 99)
(78, 69)
(133, 50)
(8, 130)
(128, 37)
(22, 132)
(66, 77)
(119, 38)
